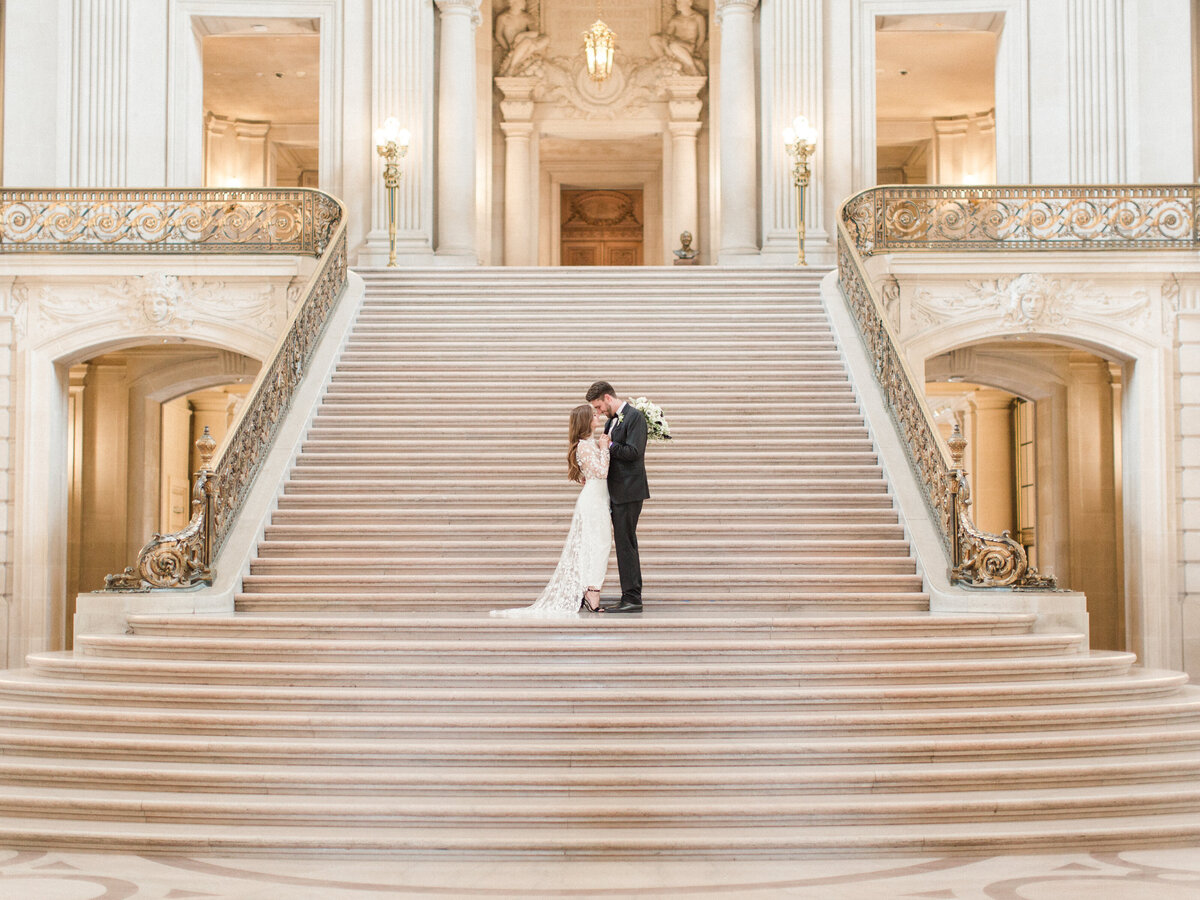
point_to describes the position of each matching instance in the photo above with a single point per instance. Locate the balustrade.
(265, 221)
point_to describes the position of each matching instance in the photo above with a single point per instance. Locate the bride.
(575, 585)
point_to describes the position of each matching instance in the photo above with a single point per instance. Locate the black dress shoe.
(624, 607)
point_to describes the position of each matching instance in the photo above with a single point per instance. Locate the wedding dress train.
(584, 559)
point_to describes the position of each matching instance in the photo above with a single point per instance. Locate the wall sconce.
(800, 140)
(391, 142)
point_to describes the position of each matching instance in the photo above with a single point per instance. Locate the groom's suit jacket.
(627, 457)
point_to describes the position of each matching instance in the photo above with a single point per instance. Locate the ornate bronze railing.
(1007, 218)
(276, 221)
(992, 219)
(295, 221)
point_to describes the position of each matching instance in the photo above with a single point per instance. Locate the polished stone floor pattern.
(1164, 874)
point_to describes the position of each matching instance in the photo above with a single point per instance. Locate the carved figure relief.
(158, 298)
(522, 46)
(155, 302)
(1032, 302)
(523, 50)
(683, 40)
(891, 299)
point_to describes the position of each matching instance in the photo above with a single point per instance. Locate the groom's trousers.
(625, 519)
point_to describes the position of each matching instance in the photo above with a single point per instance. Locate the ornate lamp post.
(391, 142)
(800, 140)
(599, 44)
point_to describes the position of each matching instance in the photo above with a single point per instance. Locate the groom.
(627, 486)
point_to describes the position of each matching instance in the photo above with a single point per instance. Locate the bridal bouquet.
(657, 428)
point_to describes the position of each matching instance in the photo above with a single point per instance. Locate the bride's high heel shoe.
(585, 604)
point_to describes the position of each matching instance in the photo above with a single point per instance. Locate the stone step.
(1136, 686)
(1114, 833)
(805, 752)
(583, 648)
(698, 623)
(714, 436)
(395, 599)
(450, 814)
(515, 569)
(764, 534)
(736, 387)
(502, 487)
(519, 589)
(461, 547)
(457, 725)
(318, 454)
(670, 507)
(616, 781)
(564, 676)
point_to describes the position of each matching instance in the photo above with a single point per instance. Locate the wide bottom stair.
(786, 692)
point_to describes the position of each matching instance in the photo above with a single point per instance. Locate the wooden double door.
(602, 228)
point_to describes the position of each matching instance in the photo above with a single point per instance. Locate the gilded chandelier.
(599, 45)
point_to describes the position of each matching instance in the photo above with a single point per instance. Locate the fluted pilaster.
(739, 131)
(1096, 113)
(792, 48)
(402, 86)
(99, 152)
(456, 131)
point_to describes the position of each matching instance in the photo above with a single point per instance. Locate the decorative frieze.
(1029, 302)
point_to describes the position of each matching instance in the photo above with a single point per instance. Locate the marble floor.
(1163, 874)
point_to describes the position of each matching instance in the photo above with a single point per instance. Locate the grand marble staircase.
(786, 691)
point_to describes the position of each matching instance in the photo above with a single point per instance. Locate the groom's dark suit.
(627, 488)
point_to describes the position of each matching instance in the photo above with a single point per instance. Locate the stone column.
(456, 132)
(739, 132)
(1093, 499)
(991, 478)
(520, 246)
(684, 108)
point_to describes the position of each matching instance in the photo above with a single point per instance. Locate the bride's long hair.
(580, 430)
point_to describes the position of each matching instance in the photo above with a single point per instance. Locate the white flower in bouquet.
(657, 428)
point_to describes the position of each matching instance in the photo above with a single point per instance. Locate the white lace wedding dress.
(584, 559)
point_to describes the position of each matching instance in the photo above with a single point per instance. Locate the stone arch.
(37, 612)
(1147, 542)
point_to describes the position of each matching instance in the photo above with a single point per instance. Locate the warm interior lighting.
(800, 132)
(392, 133)
(599, 45)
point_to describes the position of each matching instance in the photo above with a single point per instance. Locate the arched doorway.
(128, 461)
(1043, 423)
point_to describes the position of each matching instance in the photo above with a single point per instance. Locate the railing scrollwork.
(977, 558)
(293, 221)
(182, 558)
